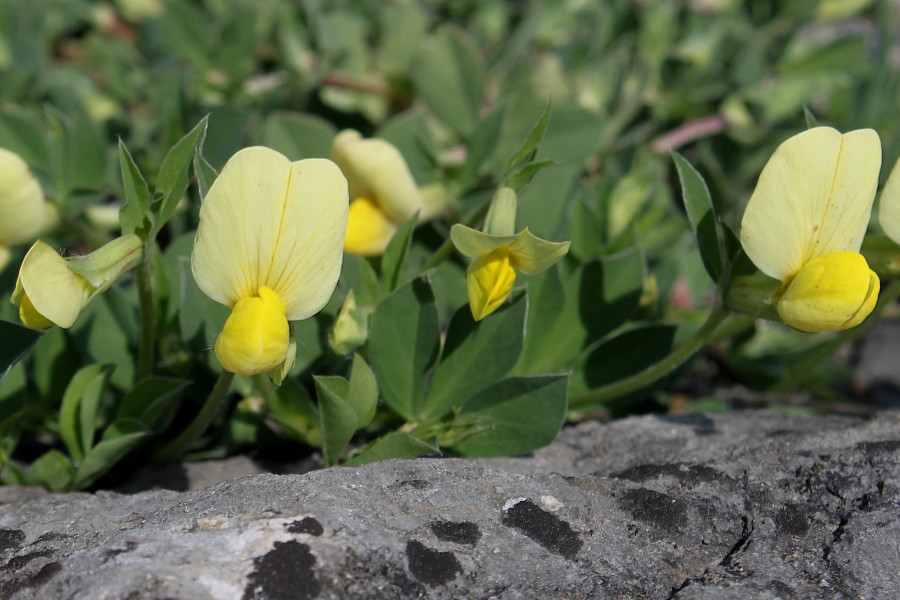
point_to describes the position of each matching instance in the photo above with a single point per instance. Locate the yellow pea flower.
(383, 193)
(499, 253)
(805, 222)
(52, 290)
(24, 213)
(269, 246)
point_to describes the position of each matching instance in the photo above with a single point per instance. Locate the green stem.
(208, 412)
(264, 386)
(148, 318)
(654, 372)
(446, 249)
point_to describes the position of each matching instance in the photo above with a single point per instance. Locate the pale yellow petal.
(239, 222)
(474, 244)
(307, 260)
(814, 196)
(269, 222)
(369, 230)
(889, 210)
(531, 255)
(23, 211)
(375, 169)
(55, 292)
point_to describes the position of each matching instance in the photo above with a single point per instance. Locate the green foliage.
(635, 130)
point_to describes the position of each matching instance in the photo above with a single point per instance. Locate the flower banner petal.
(531, 255)
(474, 243)
(307, 260)
(814, 196)
(239, 223)
(54, 291)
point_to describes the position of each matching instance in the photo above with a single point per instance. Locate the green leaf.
(449, 78)
(17, 341)
(810, 118)
(610, 292)
(53, 470)
(134, 215)
(523, 176)
(206, 174)
(401, 28)
(174, 173)
(626, 355)
(394, 255)
(152, 401)
(117, 441)
(482, 145)
(702, 215)
(404, 339)
(397, 444)
(476, 355)
(297, 135)
(526, 414)
(337, 418)
(532, 140)
(78, 411)
(363, 392)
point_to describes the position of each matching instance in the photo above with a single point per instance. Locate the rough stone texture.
(725, 506)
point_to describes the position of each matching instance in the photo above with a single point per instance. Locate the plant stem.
(654, 372)
(446, 248)
(148, 318)
(208, 411)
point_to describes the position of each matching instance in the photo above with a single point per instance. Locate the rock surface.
(735, 505)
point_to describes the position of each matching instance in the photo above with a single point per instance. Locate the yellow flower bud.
(256, 335)
(833, 292)
(368, 229)
(489, 281)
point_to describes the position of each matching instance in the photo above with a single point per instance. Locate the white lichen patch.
(550, 503)
(512, 502)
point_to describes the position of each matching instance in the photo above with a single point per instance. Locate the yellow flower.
(24, 213)
(383, 192)
(269, 246)
(52, 290)
(805, 223)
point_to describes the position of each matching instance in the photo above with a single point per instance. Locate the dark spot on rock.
(544, 527)
(17, 562)
(113, 552)
(431, 567)
(419, 484)
(30, 580)
(655, 508)
(284, 573)
(306, 525)
(782, 589)
(52, 536)
(792, 520)
(679, 471)
(11, 539)
(460, 533)
(879, 448)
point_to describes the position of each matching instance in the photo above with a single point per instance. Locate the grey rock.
(732, 505)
